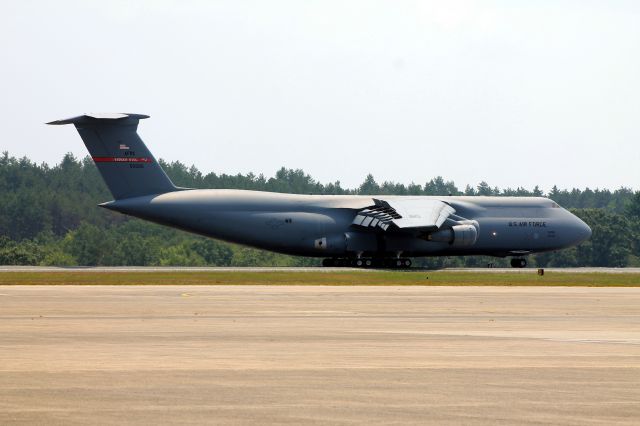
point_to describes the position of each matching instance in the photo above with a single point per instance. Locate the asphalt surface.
(339, 355)
(291, 269)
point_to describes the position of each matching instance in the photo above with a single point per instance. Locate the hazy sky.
(516, 93)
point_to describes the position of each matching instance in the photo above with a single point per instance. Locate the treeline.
(297, 181)
(48, 216)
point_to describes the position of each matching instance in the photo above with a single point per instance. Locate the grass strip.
(341, 278)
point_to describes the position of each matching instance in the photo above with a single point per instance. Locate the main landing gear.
(367, 263)
(518, 263)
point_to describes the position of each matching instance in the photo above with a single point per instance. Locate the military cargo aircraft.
(345, 230)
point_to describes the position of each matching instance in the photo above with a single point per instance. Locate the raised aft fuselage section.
(323, 226)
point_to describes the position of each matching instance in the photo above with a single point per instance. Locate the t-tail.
(125, 163)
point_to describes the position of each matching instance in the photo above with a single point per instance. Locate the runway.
(317, 354)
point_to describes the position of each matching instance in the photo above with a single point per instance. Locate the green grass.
(347, 277)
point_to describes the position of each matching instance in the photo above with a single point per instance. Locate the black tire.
(359, 263)
(518, 263)
(328, 263)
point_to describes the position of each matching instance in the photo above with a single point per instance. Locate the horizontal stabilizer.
(97, 118)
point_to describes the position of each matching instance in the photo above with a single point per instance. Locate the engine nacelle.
(457, 235)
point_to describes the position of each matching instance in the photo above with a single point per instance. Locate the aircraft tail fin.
(125, 163)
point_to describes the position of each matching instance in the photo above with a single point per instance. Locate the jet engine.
(458, 235)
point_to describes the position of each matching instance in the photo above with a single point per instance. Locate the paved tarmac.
(338, 355)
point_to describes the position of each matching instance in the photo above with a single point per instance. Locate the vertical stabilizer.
(125, 163)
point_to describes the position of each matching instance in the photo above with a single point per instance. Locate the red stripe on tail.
(122, 159)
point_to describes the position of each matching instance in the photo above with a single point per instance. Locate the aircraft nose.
(583, 231)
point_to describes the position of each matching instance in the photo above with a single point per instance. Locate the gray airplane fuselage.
(293, 224)
(373, 230)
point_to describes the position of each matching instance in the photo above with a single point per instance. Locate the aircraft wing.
(404, 213)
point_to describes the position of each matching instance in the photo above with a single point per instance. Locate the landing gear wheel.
(328, 263)
(518, 263)
(359, 263)
(406, 263)
(368, 263)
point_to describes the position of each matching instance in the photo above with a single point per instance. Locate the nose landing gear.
(518, 263)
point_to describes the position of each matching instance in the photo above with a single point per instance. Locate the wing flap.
(423, 214)
(404, 213)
